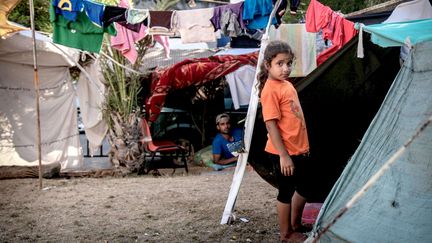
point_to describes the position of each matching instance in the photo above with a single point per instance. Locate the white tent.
(59, 133)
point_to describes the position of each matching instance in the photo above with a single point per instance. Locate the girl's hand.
(287, 165)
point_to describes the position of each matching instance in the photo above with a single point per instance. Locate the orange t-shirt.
(280, 102)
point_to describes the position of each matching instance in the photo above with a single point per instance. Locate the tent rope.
(374, 178)
(80, 68)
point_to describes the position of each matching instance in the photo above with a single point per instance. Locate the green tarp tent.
(398, 207)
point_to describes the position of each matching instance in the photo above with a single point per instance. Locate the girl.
(287, 145)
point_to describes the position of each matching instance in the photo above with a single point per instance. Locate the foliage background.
(21, 15)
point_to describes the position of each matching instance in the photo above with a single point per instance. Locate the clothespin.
(360, 50)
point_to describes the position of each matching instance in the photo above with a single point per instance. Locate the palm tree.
(121, 110)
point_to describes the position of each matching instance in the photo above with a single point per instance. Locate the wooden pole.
(36, 85)
(373, 179)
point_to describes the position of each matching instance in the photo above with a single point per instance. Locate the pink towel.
(125, 39)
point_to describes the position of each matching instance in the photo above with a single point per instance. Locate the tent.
(339, 100)
(397, 207)
(60, 138)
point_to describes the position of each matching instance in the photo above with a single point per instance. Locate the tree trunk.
(124, 139)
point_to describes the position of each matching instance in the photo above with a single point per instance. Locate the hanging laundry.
(118, 14)
(229, 24)
(191, 72)
(94, 11)
(334, 27)
(256, 13)
(317, 16)
(68, 8)
(160, 23)
(303, 44)
(240, 83)
(194, 25)
(281, 10)
(125, 39)
(136, 16)
(236, 9)
(294, 6)
(81, 34)
(163, 40)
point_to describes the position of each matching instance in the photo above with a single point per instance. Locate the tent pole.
(228, 216)
(36, 85)
(373, 179)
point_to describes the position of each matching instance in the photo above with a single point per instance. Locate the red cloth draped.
(191, 72)
(334, 27)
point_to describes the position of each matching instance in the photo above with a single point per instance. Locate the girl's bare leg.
(297, 205)
(284, 219)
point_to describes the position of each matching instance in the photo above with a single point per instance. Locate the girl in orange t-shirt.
(287, 145)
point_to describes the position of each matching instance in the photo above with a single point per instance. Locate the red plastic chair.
(163, 149)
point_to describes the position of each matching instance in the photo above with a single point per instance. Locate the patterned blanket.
(191, 72)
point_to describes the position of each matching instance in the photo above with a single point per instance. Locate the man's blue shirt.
(224, 147)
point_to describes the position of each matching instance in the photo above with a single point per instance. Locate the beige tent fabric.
(59, 132)
(6, 27)
(91, 95)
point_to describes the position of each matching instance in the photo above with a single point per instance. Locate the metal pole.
(36, 85)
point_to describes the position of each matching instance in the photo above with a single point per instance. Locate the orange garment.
(280, 101)
(334, 27)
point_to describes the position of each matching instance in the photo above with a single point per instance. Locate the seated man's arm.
(217, 160)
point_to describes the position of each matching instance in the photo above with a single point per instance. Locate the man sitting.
(226, 143)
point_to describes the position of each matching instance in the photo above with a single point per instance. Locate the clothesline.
(83, 19)
(119, 64)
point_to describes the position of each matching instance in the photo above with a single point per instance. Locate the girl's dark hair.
(273, 48)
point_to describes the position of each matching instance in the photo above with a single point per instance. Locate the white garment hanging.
(240, 83)
(92, 97)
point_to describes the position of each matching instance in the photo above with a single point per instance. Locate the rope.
(80, 68)
(121, 65)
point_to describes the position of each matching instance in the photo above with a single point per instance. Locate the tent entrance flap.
(339, 100)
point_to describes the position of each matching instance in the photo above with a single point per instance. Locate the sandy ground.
(170, 208)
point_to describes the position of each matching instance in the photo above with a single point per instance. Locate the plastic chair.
(163, 149)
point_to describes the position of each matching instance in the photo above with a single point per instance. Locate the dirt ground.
(169, 208)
